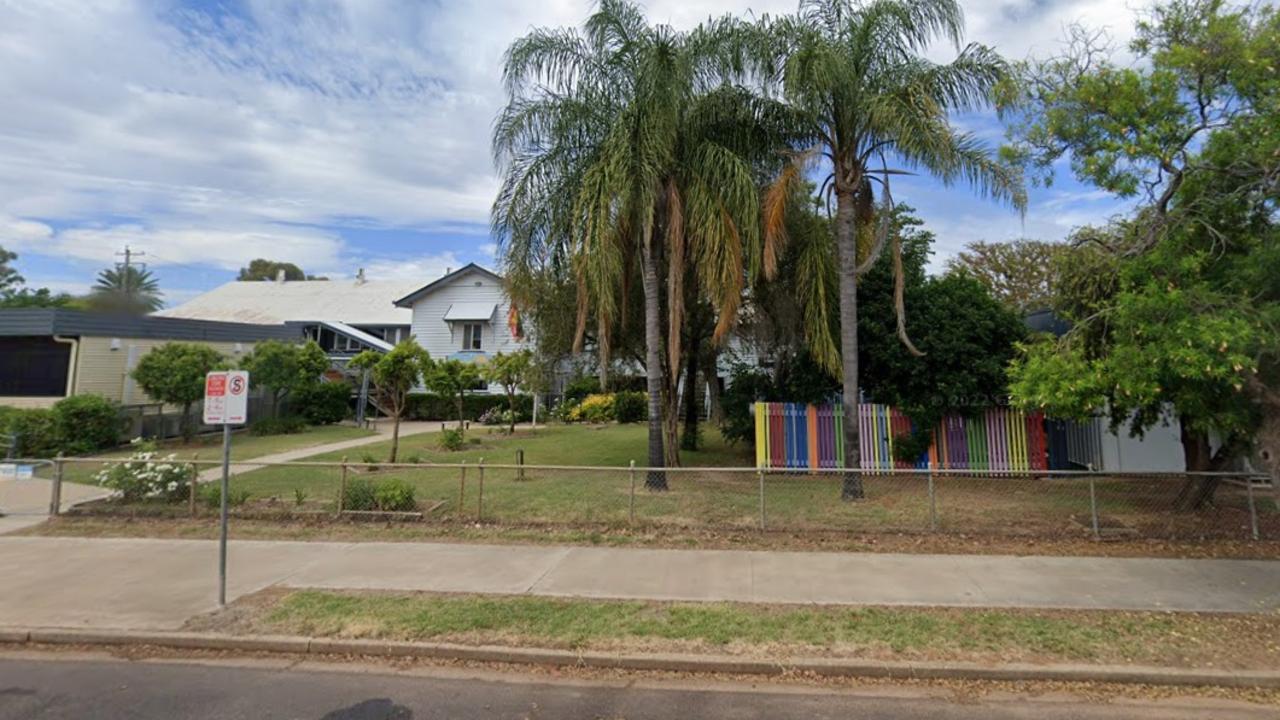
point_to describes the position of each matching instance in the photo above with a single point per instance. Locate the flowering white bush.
(146, 475)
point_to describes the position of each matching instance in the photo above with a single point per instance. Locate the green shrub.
(322, 403)
(36, 431)
(630, 407)
(429, 406)
(211, 494)
(289, 425)
(299, 496)
(412, 459)
(579, 388)
(361, 494)
(369, 459)
(395, 495)
(452, 439)
(86, 423)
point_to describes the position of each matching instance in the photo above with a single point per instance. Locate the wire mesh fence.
(1031, 504)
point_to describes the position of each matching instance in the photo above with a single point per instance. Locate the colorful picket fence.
(797, 436)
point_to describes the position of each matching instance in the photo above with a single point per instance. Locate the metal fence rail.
(971, 502)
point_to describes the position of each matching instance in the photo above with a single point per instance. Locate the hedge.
(429, 406)
(75, 425)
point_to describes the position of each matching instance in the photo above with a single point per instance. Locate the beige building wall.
(28, 402)
(105, 371)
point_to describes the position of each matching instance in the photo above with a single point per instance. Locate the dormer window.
(472, 334)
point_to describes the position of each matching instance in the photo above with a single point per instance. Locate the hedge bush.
(35, 428)
(429, 406)
(75, 425)
(288, 425)
(630, 407)
(391, 495)
(86, 423)
(322, 403)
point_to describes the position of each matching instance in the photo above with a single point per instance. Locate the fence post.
(760, 476)
(55, 499)
(1093, 507)
(480, 492)
(631, 510)
(933, 504)
(191, 484)
(520, 462)
(1253, 510)
(342, 487)
(462, 488)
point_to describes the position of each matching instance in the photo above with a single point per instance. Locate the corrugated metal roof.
(44, 322)
(266, 302)
(470, 311)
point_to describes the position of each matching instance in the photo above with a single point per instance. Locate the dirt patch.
(323, 526)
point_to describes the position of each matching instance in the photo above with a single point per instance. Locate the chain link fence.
(1043, 504)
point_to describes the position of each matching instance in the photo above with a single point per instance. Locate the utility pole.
(128, 254)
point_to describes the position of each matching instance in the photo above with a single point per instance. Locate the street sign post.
(226, 403)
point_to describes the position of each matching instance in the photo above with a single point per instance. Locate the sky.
(346, 134)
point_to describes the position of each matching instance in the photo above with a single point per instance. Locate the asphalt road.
(94, 688)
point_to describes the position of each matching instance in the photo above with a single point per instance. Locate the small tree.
(452, 379)
(393, 375)
(283, 367)
(510, 370)
(174, 373)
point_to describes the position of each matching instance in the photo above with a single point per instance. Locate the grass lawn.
(1183, 639)
(698, 498)
(243, 447)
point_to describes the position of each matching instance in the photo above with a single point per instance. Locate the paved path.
(52, 688)
(382, 428)
(25, 502)
(142, 583)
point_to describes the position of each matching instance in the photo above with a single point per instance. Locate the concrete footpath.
(158, 584)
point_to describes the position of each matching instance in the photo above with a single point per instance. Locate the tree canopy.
(261, 269)
(174, 373)
(394, 374)
(1176, 308)
(1019, 273)
(284, 368)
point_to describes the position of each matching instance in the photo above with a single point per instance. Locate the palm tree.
(852, 73)
(127, 289)
(622, 150)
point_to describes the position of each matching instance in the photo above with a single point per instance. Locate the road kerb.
(668, 662)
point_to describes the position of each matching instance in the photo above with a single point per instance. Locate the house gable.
(447, 313)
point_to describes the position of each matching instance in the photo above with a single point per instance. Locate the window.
(471, 335)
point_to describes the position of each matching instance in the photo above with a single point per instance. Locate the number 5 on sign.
(226, 397)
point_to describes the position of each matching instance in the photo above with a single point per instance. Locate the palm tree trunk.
(711, 375)
(655, 480)
(847, 250)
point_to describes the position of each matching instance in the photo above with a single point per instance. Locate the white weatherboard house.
(464, 315)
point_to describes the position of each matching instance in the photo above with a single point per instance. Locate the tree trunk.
(395, 436)
(511, 405)
(711, 376)
(654, 480)
(847, 250)
(462, 424)
(689, 441)
(186, 428)
(1198, 490)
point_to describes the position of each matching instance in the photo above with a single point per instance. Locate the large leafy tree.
(14, 295)
(284, 368)
(866, 98)
(623, 156)
(261, 269)
(126, 289)
(394, 374)
(1020, 273)
(1176, 308)
(174, 374)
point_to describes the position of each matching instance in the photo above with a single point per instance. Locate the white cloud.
(426, 268)
(211, 139)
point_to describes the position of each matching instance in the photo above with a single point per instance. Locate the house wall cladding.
(442, 338)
